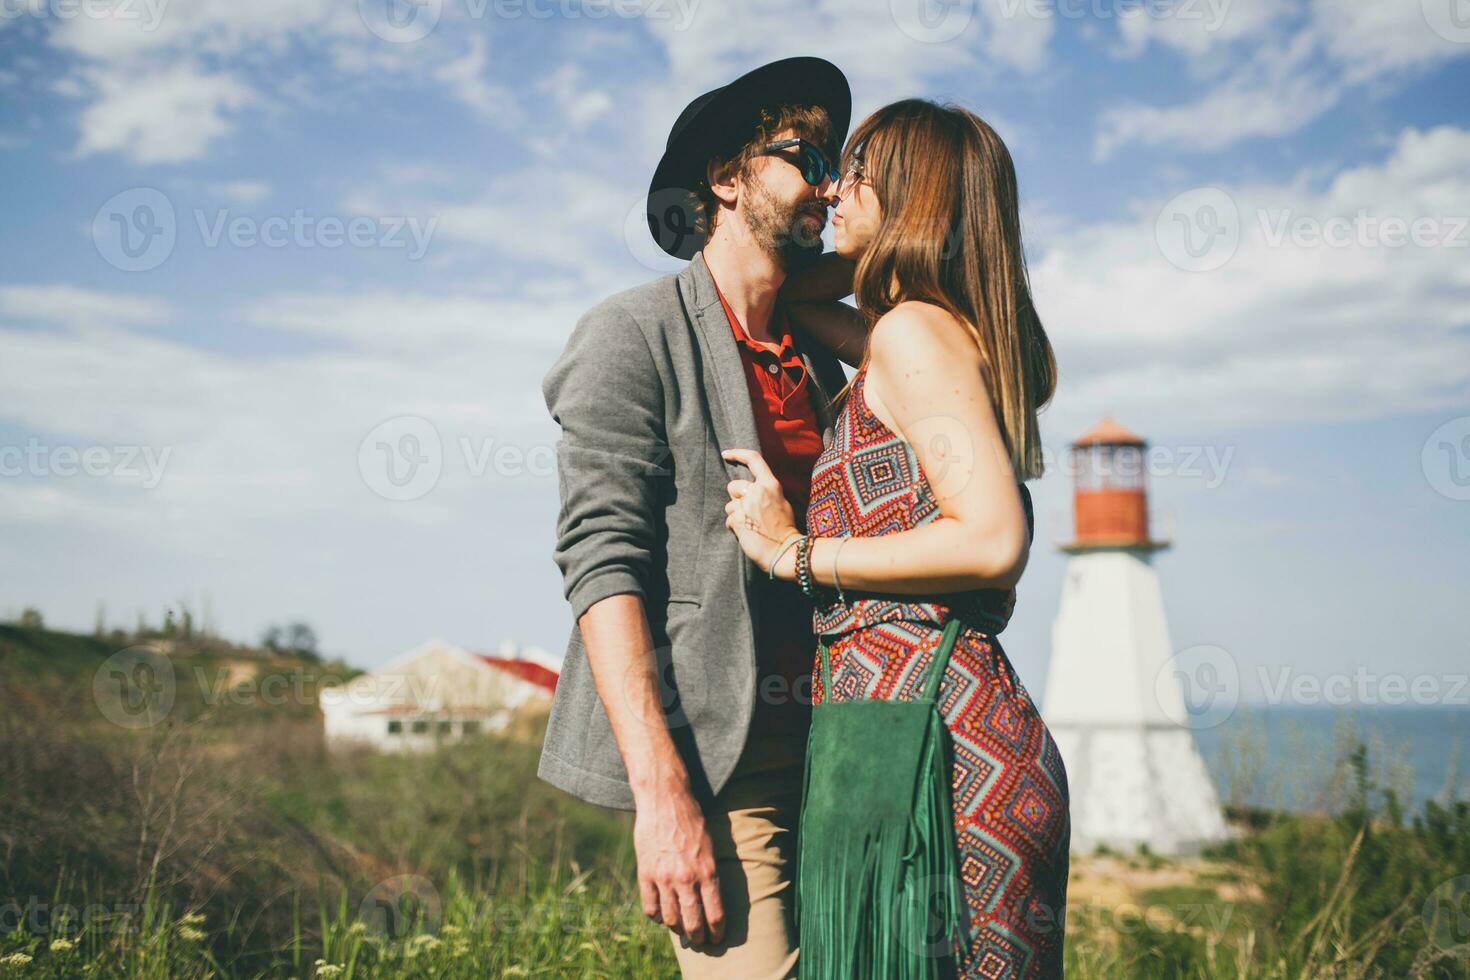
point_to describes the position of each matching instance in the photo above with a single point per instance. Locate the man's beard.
(777, 227)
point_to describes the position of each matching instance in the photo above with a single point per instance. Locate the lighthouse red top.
(1110, 497)
(1108, 432)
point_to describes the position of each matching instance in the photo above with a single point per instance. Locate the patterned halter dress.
(1012, 827)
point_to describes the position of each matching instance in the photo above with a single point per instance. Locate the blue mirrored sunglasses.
(814, 166)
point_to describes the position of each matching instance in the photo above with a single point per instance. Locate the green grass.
(228, 843)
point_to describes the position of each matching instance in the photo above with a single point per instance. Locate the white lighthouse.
(1113, 700)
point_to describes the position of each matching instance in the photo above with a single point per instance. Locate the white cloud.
(166, 115)
(1271, 90)
(258, 435)
(577, 102)
(1371, 39)
(1285, 331)
(465, 78)
(557, 217)
(242, 191)
(882, 59)
(72, 306)
(1274, 95)
(1196, 28)
(421, 325)
(213, 27)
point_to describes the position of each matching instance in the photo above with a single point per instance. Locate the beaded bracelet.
(804, 567)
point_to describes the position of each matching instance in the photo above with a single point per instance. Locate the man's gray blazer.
(648, 392)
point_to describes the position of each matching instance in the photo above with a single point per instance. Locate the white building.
(436, 693)
(1113, 698)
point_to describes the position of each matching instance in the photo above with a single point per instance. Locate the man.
(685, 694)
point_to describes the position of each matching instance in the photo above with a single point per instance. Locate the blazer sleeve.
(612, 457)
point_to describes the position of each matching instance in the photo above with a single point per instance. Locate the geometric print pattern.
(1009, 785)
(868, 483)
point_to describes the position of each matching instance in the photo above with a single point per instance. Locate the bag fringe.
(869, 894)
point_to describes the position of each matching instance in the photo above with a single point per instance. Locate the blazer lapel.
(724, 382)
(724, 372)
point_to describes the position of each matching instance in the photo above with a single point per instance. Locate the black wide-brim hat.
(718, 123)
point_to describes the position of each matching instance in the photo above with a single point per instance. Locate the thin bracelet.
(841, 596)
(785, 547)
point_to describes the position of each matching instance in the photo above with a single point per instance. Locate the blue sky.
(491, 158)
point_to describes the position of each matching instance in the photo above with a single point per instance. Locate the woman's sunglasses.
(849, 180)
(814, 166)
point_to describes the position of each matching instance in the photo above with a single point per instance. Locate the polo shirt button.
(772, 368)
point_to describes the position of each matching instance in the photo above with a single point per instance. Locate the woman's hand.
(758, 512)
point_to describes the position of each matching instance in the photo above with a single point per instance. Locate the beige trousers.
(752, 826)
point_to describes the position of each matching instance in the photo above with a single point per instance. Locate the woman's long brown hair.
(950, 234)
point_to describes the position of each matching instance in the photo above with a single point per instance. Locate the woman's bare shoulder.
(916, 332)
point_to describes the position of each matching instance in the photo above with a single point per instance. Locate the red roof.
(1108, 432)
(526, 670)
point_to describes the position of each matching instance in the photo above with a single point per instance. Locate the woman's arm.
(827, 279)
(926, 371)
(812, 301)
(836, 326)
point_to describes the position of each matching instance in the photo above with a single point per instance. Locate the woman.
(918, 512)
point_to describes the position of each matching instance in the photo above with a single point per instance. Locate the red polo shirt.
(790, 440)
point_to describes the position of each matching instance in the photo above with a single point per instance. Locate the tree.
(298, 638)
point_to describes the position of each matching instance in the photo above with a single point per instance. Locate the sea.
(1296, 758)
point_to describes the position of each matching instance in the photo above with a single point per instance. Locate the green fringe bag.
(877, 876)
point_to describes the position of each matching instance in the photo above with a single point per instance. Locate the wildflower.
(357, 929)
(63, 945)
(15, 959)
(190, 935)
(192, 919)
(327, 969)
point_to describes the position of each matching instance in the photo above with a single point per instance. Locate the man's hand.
(676, 868)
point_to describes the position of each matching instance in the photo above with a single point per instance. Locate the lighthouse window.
(1089, 469)
(1127, 467)
(1110, 468)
